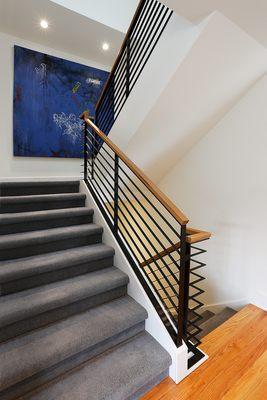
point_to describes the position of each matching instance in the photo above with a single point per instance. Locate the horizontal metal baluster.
(106, 105)
(141, 17)
(155, 288)
(107, 171)
(149, 241)
(155, 236)
(104, 149)
(110, 193)
(149, 25)
(155, 222)
(107, 181)
(148, 200)
(144, 246)
(101, 155)
(145, 46)
(92, 183)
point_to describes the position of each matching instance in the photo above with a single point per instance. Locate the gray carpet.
(68, 329)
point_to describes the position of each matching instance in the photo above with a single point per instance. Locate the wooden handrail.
(162, 198)
(196, 235)
(123, 46)
(161, 254)
(193, 236)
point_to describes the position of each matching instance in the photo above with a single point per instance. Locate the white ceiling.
(250, 15)
(114, 13)
(69, 32)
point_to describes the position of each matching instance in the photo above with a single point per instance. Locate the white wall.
(220, 66)
(170, 51)
(114, 13)
(16, 167)
(221, 184)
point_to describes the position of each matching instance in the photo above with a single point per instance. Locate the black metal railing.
(147, 26)
(152, 233)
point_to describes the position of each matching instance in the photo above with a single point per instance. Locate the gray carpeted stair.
(216, 320)
(23, 311)
(44, 241)
(68, 343)
(32, 221)
(43, 187)
(41, 202)
(140, 362)
(29, 272)
(65, 317)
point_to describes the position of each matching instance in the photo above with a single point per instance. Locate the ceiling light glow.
(44, 24)
(105, 46)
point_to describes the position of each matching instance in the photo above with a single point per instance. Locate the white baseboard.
(217, 307)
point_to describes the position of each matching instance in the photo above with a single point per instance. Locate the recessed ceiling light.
(105, 46)
(44, 24)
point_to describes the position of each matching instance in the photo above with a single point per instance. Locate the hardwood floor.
(237, 364)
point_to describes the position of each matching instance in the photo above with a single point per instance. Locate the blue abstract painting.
(49, 95)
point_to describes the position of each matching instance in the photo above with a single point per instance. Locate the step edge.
(30, 312)
(14, 218)
(50, 237)
(80, 348)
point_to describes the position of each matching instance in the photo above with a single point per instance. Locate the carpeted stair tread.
(40, 198)
(68, 330)
(26, 203)
(38, 187)
(25, 217)
(115, 375)
(206, 315)
(47, 219)
(65, 339)
(32, 302)
(47, 235)
(216, 321)
(47, 240)
(28, 266)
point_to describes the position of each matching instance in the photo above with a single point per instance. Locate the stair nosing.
(30, 301)
(44, 266)
(13, 218)
(147, 364)
(41, 198)
(76, 340)
(39, 183)
(17, 240)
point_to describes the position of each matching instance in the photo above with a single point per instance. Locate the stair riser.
(40, 206)
(44, 224)
(27, 325)
(150, 385)
(42, 248)
(53, 276)
(69, 363)
(31, 190)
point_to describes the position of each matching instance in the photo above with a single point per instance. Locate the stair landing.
(237, 364)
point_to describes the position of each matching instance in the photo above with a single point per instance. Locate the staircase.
(210, 321)
(68, 329)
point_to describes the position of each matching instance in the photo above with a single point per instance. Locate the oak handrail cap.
(161, 197)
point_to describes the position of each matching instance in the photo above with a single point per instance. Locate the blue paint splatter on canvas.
(49, 95)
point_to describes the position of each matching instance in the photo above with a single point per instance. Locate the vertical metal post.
(93, 154)
(184, 278)
(96, 116)
(116, 194)
(85, 154)
(128, 55)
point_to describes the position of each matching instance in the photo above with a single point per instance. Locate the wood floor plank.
(244, 319)
(254, 381)
(236, 352)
